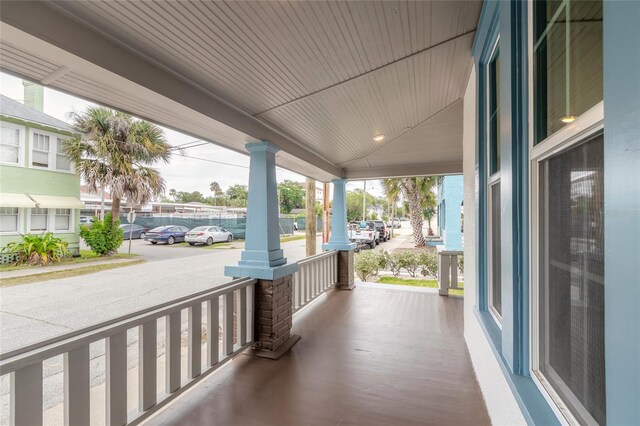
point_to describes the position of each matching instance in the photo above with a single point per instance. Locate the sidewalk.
(63, 267)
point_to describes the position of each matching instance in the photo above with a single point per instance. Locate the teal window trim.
(511, 342)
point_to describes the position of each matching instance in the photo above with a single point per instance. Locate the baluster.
(116, 378)
(307, 283)
(172, 351)
(454, 272)
(194, 362)
(444, 270)
(250, 310)
(241, 315)
(227, 338)
(76, 387)
(213, 338)
(26, 396)
(147, 352)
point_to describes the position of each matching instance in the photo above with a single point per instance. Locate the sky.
(193, 172)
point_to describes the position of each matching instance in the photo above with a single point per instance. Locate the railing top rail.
(317, 257)
(27, 355)
(451, 252)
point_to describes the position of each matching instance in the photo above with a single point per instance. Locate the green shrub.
(409, 260)
(38, 249)
(461, 264)
(393, 263)
(383, 259)
(429, 262)
(367, 264)
(103, 236)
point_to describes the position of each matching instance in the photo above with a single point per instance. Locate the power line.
(213, 161)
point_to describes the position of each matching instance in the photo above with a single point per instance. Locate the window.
(9, 144)
(62, 161)
(63, 220)
(8, 219)
(40, 151)
(568, 199)
(494, 114)
(39, 218)
(567, 62)
(493, 190)
(571, 283)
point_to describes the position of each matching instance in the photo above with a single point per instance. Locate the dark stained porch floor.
(367, 357)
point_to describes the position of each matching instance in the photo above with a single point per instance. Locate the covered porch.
(369, 356)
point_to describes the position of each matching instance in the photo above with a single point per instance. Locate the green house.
(39, 189)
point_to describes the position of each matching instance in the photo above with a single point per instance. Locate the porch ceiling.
(319, 79)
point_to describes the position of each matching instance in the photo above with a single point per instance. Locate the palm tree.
(392, 190)
(216, 190)
(419, 196)
(115, 151)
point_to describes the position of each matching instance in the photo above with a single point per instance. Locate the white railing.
(448, 271)
(26, 364)
(316, 274)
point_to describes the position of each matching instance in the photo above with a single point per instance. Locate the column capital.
(261, 146)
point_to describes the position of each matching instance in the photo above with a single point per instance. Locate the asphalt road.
(34, 312)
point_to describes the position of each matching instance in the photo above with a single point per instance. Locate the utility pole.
(310, 217)
(325, 212)
(364, 202)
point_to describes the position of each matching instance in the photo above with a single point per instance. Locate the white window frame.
(51, 222)
(492, 180)
(19, 228)
(21, 144)
(53, 151)
(584, 127)
(30, 231)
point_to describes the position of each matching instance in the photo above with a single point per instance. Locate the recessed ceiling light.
(568, 119)
(378, 138)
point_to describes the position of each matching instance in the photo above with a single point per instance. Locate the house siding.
(22, 179)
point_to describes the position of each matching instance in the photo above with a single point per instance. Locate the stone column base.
(346, 273)
(273, 317)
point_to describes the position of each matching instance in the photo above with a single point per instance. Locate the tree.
(310, 217)
(173, 194)
(217, 192)
(291, 196)
(115, 151)
(238, 195)
(354, 204)
(190, 197)
(418, 195)
(392, 190)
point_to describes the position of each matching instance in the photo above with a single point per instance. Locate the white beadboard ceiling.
(322, 77)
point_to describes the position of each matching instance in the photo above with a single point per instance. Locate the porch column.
(263, 259)
(339, 238)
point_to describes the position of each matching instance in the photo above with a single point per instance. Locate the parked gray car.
(136, 231)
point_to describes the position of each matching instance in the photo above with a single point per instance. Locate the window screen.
(572, 278)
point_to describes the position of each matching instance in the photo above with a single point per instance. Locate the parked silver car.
(208, 235)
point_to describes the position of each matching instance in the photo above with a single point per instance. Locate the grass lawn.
(292, 238)
(54, 275)
(415, 282)
(85, 256)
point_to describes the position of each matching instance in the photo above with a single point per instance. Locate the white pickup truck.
(363, 233)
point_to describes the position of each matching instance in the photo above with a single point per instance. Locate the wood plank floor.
(367, 357)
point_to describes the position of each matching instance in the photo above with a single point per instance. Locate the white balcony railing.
(316, 274)
(448, 271)
(25, 365)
